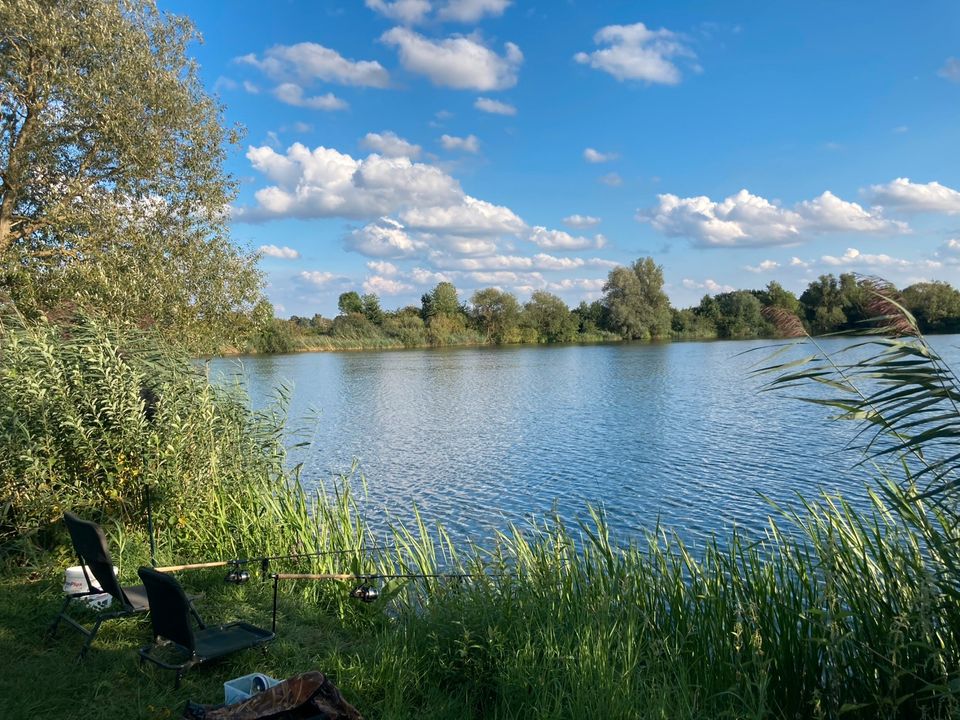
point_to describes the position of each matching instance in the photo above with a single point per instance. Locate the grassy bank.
(847, 614)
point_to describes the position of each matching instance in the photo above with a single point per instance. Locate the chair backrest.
(90, 545)
(169, 607)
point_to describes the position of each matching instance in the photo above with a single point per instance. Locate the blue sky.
(392, 144)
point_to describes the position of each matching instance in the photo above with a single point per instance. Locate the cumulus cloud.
(461, 62)
(470, 11)
(326, 183)
(381, 267)
(634, 52)
(380, 285)
(711, 286)
(317, 278)
(469, 217)
(308, 61)
(581, 222)
(612, 179)
(908, 196)
(745, 219)
(389, 144)
(950, 70)
(797, 262)
(282, 253)
(560, 240)
(385, 238)
(469, 144)
(588, 285)
(496, 107)
(595, 156)
(764, 266)
(538, 262)
(408, 12)
(292, 94)
(854, 258)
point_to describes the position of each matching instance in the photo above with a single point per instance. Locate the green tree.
(634, 297)
(550, 317)
(822, 304)
(736, 314)
(371, 308)
(775, 295)
(935, 305)
(350, 303)
(442, 300)
(496, 314)
(112, 188)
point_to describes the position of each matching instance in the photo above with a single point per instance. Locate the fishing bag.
(310, 696)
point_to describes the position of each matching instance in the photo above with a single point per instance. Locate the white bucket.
(243, 688)
(75, 583)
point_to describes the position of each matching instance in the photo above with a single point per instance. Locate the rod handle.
(193, 566)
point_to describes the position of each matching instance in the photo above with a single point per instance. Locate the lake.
(480, 437)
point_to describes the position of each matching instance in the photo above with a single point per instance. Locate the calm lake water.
(479, 437)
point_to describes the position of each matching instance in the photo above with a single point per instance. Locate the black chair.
(90, 544)
(170, 615)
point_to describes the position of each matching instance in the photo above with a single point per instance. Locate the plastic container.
(75, 583)
(243, 688)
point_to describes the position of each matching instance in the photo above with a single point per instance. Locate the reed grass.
(833, 612)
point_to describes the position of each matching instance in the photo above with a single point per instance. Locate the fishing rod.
(238, 575)
(365, 592)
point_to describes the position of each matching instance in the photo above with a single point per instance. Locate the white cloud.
(317, 278)
(612, 179)
(496, 107)
(560, 240)
(797, 262)
(459, 61)
(538, 262)
(469, 144)
(636, 53)
(251, 88)
(950, 70)
(854, 258)
(828, 213)
(470, 11)
(594, 156)
(385, 238)
(292, 94)
(408, 12)
(422, 276)
(326, 183)
(711, 286)
(916, 197)
(382, 267)
(745, 219)
(283, 253)
(380, 285)
(469, 217)
(581, 222)
(589, 285)
(309, 61)
(764, 266)
(389, 144)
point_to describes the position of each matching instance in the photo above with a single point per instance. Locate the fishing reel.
(365, 593)
(237, 576)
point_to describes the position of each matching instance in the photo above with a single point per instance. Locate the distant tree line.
(634, 306)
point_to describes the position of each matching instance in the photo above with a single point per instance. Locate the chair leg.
(90, 637)
(52, 630)
(196, 616)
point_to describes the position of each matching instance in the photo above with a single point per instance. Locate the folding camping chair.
(170, 615)
(90, 545)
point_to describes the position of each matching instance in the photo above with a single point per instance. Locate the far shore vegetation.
(633, 307)
(116, 269)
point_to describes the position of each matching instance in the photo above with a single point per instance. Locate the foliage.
(350, 303)
(112, 190)
(496, 314)
(935, 305)
(638, 308)
(550, 318)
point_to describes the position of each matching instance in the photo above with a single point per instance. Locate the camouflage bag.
(310, 696)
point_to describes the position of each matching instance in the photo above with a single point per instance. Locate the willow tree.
(637, 306)
(112, 187)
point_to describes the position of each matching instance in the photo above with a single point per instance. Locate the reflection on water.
(478, 437)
